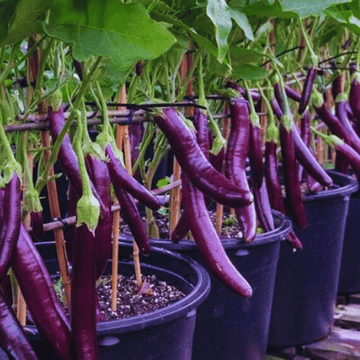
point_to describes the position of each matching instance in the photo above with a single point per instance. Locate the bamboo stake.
(34, 64)
(136, 257)
(20, 301)
(116, 227)
(58, 233)
(128, 165)
(21, 308)
(175, 196)
(115, 207)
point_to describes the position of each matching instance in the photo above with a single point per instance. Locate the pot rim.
(181, 308)
(278, 234)
(345, 186)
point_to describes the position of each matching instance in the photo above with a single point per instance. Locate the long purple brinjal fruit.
(278, 96)
(292, 94)
(99, 175)
(235, 163)
(255, 156)
(133, 219)
(306, 94)
(2, 208)
(194, 163)
(305, 136)
(308, 161)
(119, 175)
(334, 124)
(37, 224)
(342, 115)
(292, 184)
(83, 296)
(354, 96)
(263, 208)
(67, 157)
(36, 286)
(208, 241)
(337, 86)
(12, 336)
(202, 136)
(303, 154)
(272, 178)
(293, 240)
(11, 222)
(254, 94)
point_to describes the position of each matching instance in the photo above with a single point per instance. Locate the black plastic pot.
(229, 327)
(165, 334)
(349, 279)
(307, 280)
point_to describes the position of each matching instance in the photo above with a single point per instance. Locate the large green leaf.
(20, 19)
(199, 40)
(249, 72)
(122, 32)
(221, 14)
(242, 56)
(266, 9)
(345, 17)
(309, 7)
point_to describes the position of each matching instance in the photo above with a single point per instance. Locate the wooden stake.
(58, 233)
(21, 308)
(20, 301)
(116, 223)
(175, 199)
(136, 254)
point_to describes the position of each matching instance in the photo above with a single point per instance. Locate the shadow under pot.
(229, 327)
(306, 281)
(164, 334)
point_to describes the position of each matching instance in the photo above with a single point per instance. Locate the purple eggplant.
(208, 242)
(194, 163)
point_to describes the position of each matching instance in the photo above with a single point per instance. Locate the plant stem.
(314, 57)
(9, 66)
(56, 147)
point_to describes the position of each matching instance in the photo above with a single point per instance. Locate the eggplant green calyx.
(88, 207)
(331, 140)
(32, 201)
(342, 97)
(55, 100)
(317, 98)
(88, 212)
(254, 117)
(287, 121)
(9, 169)
(229, 93)
(219, 141)
(355, 77)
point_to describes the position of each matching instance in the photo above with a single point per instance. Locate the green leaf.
(221, 14)
(20, 19)
(122, 32)
(249, 72)
(242, 56)
(217, 11)
(264, 8)
(241, 19)
(309, 7)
